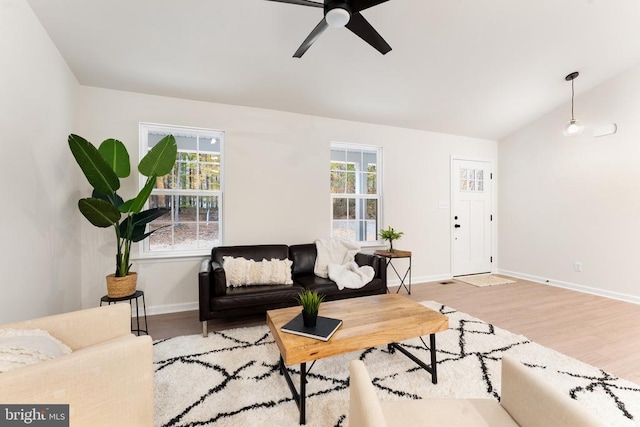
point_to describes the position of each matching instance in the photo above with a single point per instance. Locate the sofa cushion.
(254, 252)
(256, 296)
(22, 347)
(247, 272)
(329, 288)
(320, 284)
(303, 257)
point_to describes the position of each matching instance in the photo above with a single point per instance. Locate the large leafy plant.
(103, 167)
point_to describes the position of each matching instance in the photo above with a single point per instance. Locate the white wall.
(566, 199)
(277, 184)
(276, 179)
(40, 262)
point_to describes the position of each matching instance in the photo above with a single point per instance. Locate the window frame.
(335, 145)
(144, 129)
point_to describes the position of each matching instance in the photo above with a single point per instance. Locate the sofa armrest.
(205, 290)
(205, 266)
(84, 328)
(219, 279)
(364, 407)
(378, 264)
(367, 259)
(532, 401)
(212, 282)
(107, 384)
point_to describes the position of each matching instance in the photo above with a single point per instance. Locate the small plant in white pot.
(103, 167)
(390, 234)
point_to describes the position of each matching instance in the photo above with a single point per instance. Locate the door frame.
(494, 208)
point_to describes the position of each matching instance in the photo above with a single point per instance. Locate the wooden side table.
(391, 255)
(129, 298)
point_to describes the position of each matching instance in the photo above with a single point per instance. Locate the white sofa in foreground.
(107, 380)
(526, 401)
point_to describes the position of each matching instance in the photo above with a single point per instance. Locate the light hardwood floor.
(600, 331)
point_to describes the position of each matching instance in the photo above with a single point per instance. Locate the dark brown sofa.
(218, 301)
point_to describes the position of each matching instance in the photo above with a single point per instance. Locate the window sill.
(170, 257)
(376, 244)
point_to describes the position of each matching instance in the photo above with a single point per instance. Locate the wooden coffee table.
(367, 322)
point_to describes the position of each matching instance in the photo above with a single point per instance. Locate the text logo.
(34, 415)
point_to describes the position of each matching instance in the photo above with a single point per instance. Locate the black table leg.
(433, 370)
(303, 392)
(299, 398)
(434, 363)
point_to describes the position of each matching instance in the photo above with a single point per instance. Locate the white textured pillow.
(22, 347)
(246, 272)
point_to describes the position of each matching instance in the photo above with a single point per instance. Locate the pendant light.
(573, 127)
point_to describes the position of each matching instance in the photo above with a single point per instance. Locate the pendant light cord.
(572, 95)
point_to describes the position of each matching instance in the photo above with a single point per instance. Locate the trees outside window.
(355, 192)
(192, 191)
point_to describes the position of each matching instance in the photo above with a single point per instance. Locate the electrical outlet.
(577, 266)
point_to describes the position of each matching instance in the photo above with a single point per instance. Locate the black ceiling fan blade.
(361, 28)
(358, 5)
(311, 38)
(301, 2)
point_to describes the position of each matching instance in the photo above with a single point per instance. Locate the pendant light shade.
(573, 127)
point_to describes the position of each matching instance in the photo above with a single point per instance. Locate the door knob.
(457, 225)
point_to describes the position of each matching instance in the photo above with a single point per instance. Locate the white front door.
(471, 217)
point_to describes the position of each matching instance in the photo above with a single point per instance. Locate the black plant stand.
(129, 298)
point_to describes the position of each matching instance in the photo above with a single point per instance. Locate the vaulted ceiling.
(480, 68)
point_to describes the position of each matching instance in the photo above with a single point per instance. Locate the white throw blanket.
(350, 275)
(335, 261)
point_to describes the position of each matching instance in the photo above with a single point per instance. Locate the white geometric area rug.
(231, 378)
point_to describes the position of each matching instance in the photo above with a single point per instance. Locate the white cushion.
(246, 272)
(23, 347)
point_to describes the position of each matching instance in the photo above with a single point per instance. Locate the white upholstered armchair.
(526, 401)
(107, 379)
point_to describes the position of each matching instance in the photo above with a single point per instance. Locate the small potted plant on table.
(390, 234)
(310, 302)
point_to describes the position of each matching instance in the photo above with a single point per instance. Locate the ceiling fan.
(342, 13)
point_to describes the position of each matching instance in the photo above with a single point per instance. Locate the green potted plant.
(310, 302)
(103, 167)
(390, 234)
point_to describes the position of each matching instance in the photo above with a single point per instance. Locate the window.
(471, 180)
(192, 191)
(355, 192)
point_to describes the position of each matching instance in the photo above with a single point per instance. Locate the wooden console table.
(391, 255)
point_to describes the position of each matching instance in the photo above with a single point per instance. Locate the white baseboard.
(172, 308)
(573, 286)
